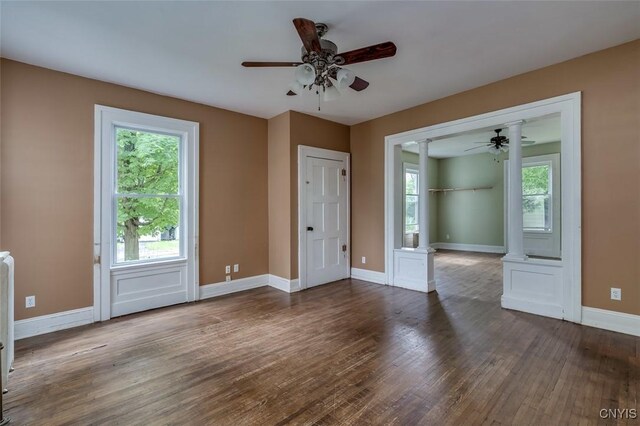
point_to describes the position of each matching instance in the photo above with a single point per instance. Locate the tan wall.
(316, 132)
(286, 132)
(279, 196)
(610, 85)
(47, 183)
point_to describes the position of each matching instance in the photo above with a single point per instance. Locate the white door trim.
(102, 237)
(303, 153)
(569, 107)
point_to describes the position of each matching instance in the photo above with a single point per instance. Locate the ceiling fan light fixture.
(504, 148)
(494, 150)
(345, 78)
(305, 74)
(330, 93)
(296, 87)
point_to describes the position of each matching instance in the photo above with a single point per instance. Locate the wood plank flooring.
(347, 353)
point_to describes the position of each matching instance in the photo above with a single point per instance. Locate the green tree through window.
(148, 202)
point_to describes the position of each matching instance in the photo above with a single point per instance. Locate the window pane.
(411, 212)
(411, 183)
(147, 162)
(147, 228)
(536, 212)
(535, 180)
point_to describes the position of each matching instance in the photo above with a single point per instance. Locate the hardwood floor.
(349, 352)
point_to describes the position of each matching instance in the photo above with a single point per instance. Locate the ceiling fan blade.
(475, 147)
(291, 93)
(377, 51)
(359, 84)
(270, 64)
(308, 34)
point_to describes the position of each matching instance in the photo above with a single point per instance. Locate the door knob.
(309, 228)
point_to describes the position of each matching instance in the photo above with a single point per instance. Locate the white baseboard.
(480, 248)
(53, 322)
(611, 320)
(371, 276)
(290, 286)
(532, 307)
(228, 287)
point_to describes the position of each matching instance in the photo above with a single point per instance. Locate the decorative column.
(423, 212)
(423, 195)
(515, 235)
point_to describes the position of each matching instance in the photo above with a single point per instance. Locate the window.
(537, 197)
(147, 196)
(411, 191)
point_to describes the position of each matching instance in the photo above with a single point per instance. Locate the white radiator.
(6, 314)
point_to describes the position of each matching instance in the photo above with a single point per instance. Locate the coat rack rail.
(445, 190)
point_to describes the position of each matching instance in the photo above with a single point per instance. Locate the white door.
(327, 251)
(146, 206)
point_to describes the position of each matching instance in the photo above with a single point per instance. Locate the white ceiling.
(541, 130)
(193, 50)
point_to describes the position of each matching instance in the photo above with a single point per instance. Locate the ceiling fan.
(321, 68)
(498, 143)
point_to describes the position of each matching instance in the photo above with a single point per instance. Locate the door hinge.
(344, 172)
(96, 260)
(344, 247)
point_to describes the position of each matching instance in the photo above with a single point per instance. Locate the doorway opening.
(468, 202)
(532, 225)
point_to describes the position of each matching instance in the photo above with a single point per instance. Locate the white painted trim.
(479, 248)
(283, 284)
(104, 120)
(303, 153)
(53, 322)
(370, 276)
(611, 320)
(228, 287)
(532, 307)
(569, 107)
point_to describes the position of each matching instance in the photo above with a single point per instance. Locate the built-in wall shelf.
(445, 190)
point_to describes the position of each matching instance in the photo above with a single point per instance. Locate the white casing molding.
(53, 322)
(478, 248)
(290, 286)
(611, 320)
(370, 276)
(228, 287)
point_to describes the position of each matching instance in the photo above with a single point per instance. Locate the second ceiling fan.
(498, 143)
(320, 68)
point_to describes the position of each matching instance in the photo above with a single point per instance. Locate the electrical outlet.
(227, 269)
(227, 278)
(30, 302)
(236, 268)
(364, 260)
(616, 294)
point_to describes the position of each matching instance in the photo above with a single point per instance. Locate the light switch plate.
(227, 269)
(236, 267)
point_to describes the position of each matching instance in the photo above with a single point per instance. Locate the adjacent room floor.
(349, 352)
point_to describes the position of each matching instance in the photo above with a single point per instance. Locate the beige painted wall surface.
(316, 132)
(610, 112)
(279, 196)
(47, 183)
